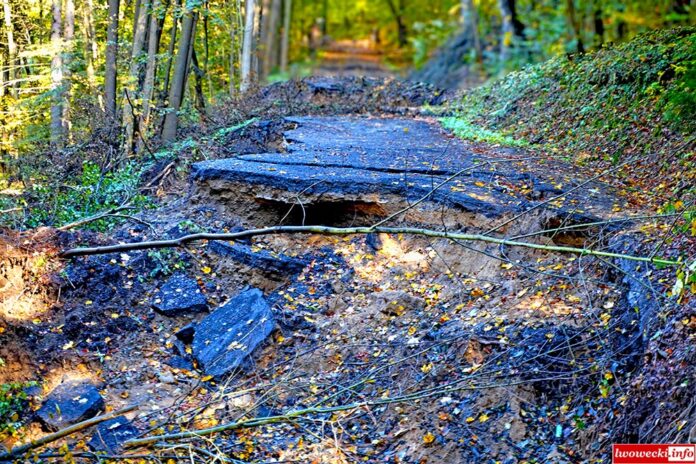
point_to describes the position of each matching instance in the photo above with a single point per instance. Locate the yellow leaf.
(483, 417)
(428, 438)
(506, 265)
(206, 378)
(469, 420)
(425, 368)
(206, 270)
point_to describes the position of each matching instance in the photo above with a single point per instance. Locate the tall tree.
(91, 49)
(469, 15)
(11, 48)
(512, 28)
(68, 48)
(285, 41)
(574, 25)
(181, 68)
(397, 11)
(131, 90)
(270, 32)
(248, 44)
(57, 74)
(110, 73)
(151, 66)
(170, 51)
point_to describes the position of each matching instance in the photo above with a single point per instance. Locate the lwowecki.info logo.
(653, 454)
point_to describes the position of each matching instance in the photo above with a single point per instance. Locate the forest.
(338, 231)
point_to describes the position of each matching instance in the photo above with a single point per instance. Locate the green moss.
(13, 400)
(468, 131)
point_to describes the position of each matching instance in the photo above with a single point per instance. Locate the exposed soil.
(512, 354)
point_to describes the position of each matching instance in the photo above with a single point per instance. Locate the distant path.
(351, 58)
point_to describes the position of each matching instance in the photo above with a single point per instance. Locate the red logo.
(653, 454)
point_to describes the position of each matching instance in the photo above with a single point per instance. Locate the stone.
(263, 260)
(185, 334)
(179, 295)
(395, 303)
(68, 404)
(110, 435)
(226, 337)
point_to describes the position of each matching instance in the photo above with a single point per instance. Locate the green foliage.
(468, 131)
(92, 193)
(13, 400)
(645, 84)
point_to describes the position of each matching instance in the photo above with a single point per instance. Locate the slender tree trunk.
(57, 74)
(285, 42)
(170, 53)
(69, 48)
(91, 51)
(574, 25)
(134, 75)
(176, 92)
(199, 73)
(110, 74)
(397, 14)
(512, 28)
(270, 34)
(598, 23)
(247, 45)
(11, 48)
(151, 67)
(470, 24)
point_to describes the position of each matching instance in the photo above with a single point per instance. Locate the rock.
(68, 404)
(166, 377)
(110, 435)
(262, 259)
(185, 334)
(395, 303)
(179, 294)
(178, 362)
(226, 337)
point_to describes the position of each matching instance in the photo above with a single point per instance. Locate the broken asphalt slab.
(224, 339)
(351, 157)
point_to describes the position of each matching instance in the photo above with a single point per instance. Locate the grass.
(634, 99)
(465, 130)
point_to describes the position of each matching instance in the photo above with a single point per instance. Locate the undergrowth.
(637, 98)
(13, 399)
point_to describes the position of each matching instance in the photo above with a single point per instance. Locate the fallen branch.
(325, 230)
(21, 449)
(96, 217)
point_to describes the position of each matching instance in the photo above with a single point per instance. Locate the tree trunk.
(199, 73)
(598, 23)
(470, 24)
(91, 51)
(151, 67)
(176, 92)
(170, 53)
(57, 74)
(11, 48)
(397, 14)
(269, 48)
(285, 42)
(512, 28)
(574, 25)
(134, 75)
(247, 45)
(110, 74)
(69, 48)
